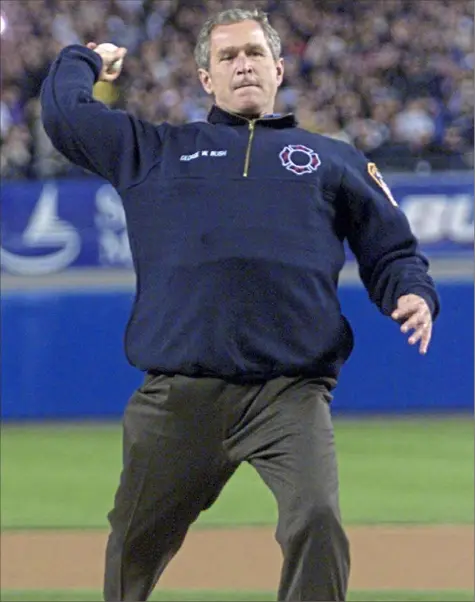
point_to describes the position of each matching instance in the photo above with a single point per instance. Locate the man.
(236, 228)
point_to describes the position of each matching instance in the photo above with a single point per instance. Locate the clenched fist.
(112, 58)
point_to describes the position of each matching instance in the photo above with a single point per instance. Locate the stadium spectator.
(394, 78)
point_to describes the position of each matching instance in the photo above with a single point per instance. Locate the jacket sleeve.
(378, 232)
(109, 143)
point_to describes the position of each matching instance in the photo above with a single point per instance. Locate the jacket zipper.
(252, 125)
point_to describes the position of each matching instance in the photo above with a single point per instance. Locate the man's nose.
(244, 65)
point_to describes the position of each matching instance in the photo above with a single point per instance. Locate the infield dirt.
(419, 557)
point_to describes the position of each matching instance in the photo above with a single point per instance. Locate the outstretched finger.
(420, 319)
(422, 334)
(406, 310)
(402, 312)
(417, 334)
(91, 45)
(425, 340)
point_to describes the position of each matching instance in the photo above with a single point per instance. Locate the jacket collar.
(220, 116)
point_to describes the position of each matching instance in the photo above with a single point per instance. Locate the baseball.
(108, 47)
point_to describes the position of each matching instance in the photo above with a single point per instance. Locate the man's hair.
(228, 17)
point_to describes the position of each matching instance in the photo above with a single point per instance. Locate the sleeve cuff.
(429, 297)
(93, 59)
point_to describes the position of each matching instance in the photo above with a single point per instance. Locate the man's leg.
(173, 467)
(287, 435)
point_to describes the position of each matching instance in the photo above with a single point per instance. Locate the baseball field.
(407, 501)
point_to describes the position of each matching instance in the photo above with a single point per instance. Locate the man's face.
(243, 75)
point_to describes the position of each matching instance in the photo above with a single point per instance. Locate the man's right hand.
(108, 59)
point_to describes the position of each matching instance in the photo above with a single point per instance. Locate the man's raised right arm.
(107, 142)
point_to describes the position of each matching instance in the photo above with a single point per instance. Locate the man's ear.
(205, 79)
(280, 71)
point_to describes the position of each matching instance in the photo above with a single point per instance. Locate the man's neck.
(250, 116)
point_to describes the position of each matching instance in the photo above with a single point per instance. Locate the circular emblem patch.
(299, 159)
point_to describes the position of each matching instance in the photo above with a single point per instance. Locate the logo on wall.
(53, 242)
(110, 221)
(299, 159)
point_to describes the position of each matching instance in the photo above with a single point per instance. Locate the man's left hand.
(415, 315)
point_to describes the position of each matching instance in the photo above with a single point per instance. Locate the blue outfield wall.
(53, 226)
(62, 350)
(63, 357)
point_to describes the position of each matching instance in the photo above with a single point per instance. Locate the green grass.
(215, 596)
(408, 471)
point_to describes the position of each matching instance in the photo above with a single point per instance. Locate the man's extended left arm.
(392, 268)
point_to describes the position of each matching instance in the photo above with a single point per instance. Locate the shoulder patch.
(378, 178)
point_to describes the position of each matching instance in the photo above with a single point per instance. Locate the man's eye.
(226, 58)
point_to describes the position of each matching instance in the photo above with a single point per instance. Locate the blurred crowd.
(392, 77)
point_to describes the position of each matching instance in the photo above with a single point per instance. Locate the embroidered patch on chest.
(299, 159)
(204, 153)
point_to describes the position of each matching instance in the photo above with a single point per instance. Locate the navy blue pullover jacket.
(236, 229)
